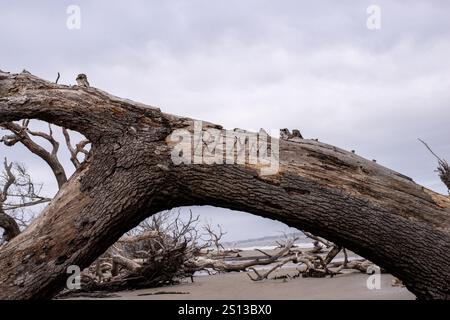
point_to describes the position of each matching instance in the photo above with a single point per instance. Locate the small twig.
(319, 239)
(428, 147)
(264, 253)
(443, 168)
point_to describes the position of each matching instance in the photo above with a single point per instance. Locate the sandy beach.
(237, 286)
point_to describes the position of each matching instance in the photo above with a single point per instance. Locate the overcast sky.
(312, 65)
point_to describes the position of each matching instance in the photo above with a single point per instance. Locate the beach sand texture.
(237, 286)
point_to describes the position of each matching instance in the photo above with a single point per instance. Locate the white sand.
(237, 286)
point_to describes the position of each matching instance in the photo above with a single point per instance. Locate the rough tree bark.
(358, 204)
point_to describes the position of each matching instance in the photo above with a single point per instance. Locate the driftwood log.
(356, 203)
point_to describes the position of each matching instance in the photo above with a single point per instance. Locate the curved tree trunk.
(358, 204)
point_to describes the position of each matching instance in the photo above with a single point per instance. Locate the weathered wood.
(335, 194)
(221, 265)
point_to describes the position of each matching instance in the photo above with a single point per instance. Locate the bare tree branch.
(7, 223)
(318, 239)
(17, 191)
(74, 152)
(215, 237)
(21, 133)
(443, 167)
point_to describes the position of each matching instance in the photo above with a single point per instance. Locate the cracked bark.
(360, 205)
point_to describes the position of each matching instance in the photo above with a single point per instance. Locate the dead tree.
(19, 185)
(17, 191)
(75, 151)
(7, 223)
(443, 168)
(215, 237)
(157, 266)
(313, 262)
(201, 262)
(340, 196)
(158, 252)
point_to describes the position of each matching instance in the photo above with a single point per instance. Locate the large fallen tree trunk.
(358, 204)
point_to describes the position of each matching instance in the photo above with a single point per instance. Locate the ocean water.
(303, 245)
